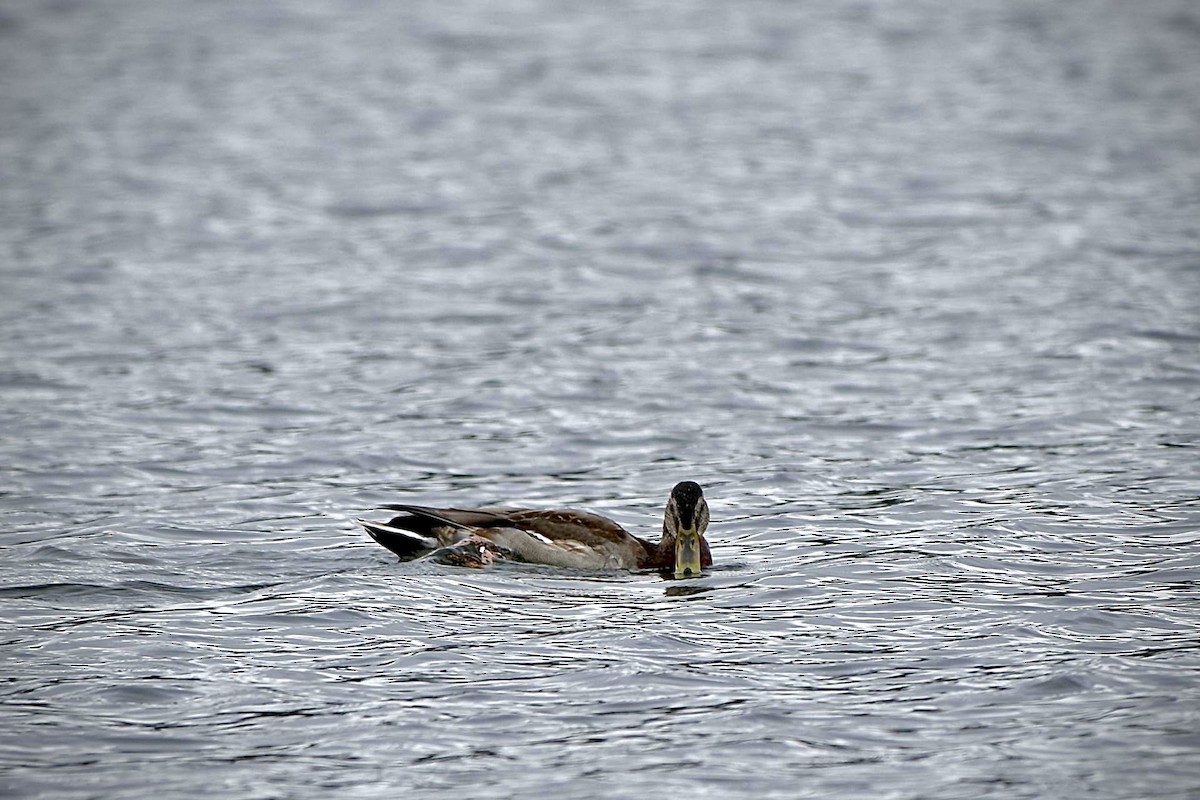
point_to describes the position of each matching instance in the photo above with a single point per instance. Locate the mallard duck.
(559, 538)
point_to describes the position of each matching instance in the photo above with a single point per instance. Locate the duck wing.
(563, 538)
(584, 527)
(571, 538)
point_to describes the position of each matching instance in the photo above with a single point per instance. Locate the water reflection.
(687, 591)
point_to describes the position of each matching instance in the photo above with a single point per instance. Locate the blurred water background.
(910, 288)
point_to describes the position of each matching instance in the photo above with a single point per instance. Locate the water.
(911, 289)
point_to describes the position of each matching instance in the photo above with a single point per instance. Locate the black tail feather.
(404, 543)
(416, 532)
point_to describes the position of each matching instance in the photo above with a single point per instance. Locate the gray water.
(910, 288)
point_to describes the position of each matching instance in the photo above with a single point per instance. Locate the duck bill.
(687, 553)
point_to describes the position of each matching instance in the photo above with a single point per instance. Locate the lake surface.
(910, 288)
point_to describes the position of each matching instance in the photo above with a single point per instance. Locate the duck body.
(561, 538)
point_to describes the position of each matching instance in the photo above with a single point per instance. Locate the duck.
(568, 538)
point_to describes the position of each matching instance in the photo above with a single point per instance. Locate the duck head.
(684, 522)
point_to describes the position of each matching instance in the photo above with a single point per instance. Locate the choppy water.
(911, 289)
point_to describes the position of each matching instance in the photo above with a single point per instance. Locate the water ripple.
(909, 288)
